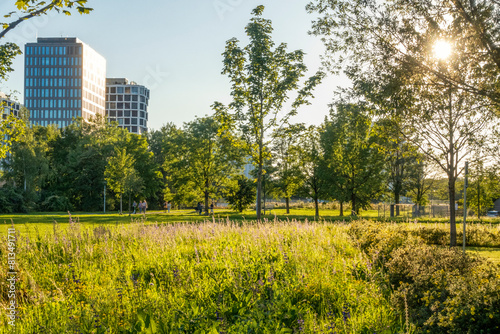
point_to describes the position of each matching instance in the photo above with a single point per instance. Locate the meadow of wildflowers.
(215, 277)
(244, 277)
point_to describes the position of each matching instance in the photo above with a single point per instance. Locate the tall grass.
(215, 277)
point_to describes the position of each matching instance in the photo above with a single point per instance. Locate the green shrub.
(12, 200)
(445, 290)
(56, 203)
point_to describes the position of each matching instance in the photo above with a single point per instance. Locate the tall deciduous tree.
(262, 77)
(401, 158)
(354, 155)
(392, 37)
(121, 175)
(212, 156)
(312, 167)
(286, 156)
(166, 149)
(27, 166)
(242, 194)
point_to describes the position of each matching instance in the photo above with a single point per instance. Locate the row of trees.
(352, 157)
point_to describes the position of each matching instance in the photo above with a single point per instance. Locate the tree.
(354, 155)
(27, 166)
(447, 104)
(11, 129)
(312, 167)
(121, 175)
(483, 189)
(166, 149)
(242, 194)
(262, 78)
(393, 37)
(286, 154)
(419, 181)
(212, 156)
(401, 158)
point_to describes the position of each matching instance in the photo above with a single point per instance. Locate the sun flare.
(442, 49)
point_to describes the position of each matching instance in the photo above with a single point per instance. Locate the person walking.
(144, 206)
(169, 206)
(198, 208)
(134, 205)
(140, 207)
(212, 208)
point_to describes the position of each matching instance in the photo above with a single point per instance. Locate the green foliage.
(11, 129)
(56, 203)
(483, 189)
(286, 154)
(121, 175)
(242, 194)
(207, 155)
(445, 290)
(392, 41)
(262, 78)
(8, 52)
(28, 164)
(12, 200)
(440, 289)
(313, 168)
(353, 155)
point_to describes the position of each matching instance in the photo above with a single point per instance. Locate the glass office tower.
(127, 103)
(64, 79)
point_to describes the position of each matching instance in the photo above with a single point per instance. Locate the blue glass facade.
(55, 81)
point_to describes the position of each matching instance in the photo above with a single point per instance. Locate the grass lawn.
(493, 254)
(46, 220)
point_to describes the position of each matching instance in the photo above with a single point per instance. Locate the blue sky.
(175, 47)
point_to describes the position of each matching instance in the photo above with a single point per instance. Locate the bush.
(12, 200)
(56, 203)
(243, 195)
(445, 290)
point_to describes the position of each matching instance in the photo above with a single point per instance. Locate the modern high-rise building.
(127, 104)
(64, 79)
(8, 106)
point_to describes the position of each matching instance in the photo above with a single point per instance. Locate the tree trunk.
(396, 201)
(353, 204)
(316, 207)
(478, 199)
(259, 187)
(206, 203)
(453, 225)
(121, 211)
(341, 209)
(451, 178)
(129, 204)
(287, 201)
